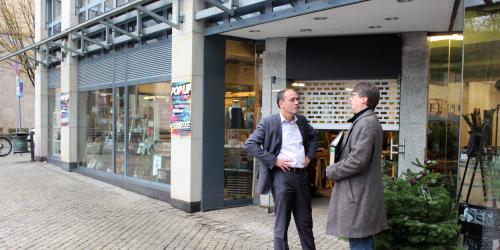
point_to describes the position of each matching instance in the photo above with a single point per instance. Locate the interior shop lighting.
(298, 84)
(447, 37)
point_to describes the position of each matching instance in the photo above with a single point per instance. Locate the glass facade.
(126, 131)
(445, 86)
(242, 106)
(479, 133)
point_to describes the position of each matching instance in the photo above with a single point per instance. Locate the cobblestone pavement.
(43, 207)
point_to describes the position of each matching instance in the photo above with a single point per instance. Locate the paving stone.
(44, 207)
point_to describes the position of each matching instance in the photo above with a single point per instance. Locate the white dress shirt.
(292, 147)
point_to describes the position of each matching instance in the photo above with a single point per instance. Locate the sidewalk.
(43, 207)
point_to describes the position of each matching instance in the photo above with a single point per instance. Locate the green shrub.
(421, 212)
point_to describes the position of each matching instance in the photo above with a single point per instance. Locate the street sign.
(19, 87)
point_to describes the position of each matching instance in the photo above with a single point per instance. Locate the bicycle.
(5, 146)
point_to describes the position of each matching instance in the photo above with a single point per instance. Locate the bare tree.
(17, 29)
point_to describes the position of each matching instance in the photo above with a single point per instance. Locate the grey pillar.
(41, 89)
(274, 66)
(414, 91)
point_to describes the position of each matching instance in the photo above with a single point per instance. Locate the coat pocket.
(350, 191)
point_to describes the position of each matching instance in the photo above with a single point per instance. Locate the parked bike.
(5, 146)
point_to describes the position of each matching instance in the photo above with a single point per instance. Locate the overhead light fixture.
(447, 37)
(254, 31)
(305, 30)
(393, 18)
(404, 1)
(298, 84)
(348, 89)
(320, 18)
(375, 27)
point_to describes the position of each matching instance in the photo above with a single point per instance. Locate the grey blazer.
(265, 145)
(357, 207)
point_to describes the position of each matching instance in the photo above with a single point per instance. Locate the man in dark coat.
(284, 144)
(357, 209)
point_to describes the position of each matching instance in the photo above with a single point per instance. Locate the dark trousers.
(291, 196)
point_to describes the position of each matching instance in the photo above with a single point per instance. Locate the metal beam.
(114, 27)
(206, 13)
(454, 15)
(60, 45)
(158, 17)
(47, 55)
(298, 10)
(34, 60)
(110, 14)
(226, 7)
(90, 40)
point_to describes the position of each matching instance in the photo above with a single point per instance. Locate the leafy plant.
(420, 212)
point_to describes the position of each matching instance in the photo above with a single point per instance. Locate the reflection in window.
(149, 132)
(481, 95)
(54, 122)
(96, 133)
(444, 103)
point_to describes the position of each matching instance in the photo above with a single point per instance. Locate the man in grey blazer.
(357, 210)
(284, 144)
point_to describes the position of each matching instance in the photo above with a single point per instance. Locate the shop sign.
(180, 109)
(64, 102)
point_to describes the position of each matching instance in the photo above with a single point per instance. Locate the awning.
(104, 23)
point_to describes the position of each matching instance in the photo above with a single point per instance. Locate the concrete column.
(41, 89)
(69, 84)
(413, 107)
(274, 66)
(187, 65)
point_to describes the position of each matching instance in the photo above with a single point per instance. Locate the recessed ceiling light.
(320, 18)
(392, 18)
(254, 31)
(404, 1)
(305, 30)
(375, 27)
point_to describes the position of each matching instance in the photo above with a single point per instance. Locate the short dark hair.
(281, 94)
(370, 91)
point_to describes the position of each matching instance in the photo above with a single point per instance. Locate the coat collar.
(365, 113)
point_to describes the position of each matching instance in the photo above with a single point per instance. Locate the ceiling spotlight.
(375, 27)
(393, 18)
(254, 31)
(305, 30)
(320, 18)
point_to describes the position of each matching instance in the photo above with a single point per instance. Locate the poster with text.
(64, 102)
(180, 109)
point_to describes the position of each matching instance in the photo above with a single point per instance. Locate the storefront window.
(120, 130)
(96, 133)
(54, 122)
(242, 105)
(443, 118)
(479, 134)
(149, 132)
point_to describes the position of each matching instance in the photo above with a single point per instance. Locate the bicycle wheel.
(5, 146)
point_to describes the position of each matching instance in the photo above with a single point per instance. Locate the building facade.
(158, 96)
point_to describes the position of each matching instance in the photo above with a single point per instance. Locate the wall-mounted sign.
(180, 109)
(64, 102)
